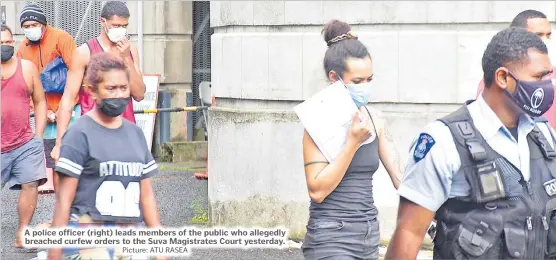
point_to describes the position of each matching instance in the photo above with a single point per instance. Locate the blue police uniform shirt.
(431, 176)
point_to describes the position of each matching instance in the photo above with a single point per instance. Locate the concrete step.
(188, 151)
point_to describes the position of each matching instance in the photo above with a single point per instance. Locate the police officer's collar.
(487, 122)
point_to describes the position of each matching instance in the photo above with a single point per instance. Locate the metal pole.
(164, 99)
(189, 122)
(174, 109)
(162, 110)
(83, 20)
(140, 33)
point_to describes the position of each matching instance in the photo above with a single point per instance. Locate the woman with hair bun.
(343, 221)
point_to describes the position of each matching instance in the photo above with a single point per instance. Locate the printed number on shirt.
(115, 200)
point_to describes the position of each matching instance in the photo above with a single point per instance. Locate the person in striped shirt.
(105, 165)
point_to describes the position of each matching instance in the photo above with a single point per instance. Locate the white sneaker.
(42, 255)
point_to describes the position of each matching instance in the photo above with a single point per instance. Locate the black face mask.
(7, 52)
(533, 97)
(113, 106)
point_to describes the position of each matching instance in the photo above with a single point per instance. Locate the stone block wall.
(267, 57)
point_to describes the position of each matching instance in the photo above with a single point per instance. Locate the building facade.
(267, 57)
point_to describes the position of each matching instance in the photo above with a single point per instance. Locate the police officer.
(486, 172)
(537, 23)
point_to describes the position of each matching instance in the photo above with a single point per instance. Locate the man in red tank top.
(114, 20)
(23, 161)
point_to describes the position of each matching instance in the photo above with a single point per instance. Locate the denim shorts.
(95, 253)
(339, 240)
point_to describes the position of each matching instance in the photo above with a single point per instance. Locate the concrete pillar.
(267, 57)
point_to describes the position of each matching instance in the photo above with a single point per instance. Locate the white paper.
(147, 121)
(327, 118)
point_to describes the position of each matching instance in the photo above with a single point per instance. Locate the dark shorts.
(341, 240)
(24, 164)
(48, 146)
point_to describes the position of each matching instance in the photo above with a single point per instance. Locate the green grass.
(200, 212)
(181, 167)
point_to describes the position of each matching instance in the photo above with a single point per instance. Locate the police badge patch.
(423, 146)
(550, 187)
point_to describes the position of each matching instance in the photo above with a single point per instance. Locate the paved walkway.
(181, 198)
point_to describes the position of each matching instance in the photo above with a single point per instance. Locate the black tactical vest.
(504, 217)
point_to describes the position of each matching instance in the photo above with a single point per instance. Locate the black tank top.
(352, 200)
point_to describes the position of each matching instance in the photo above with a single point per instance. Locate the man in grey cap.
(44, 45)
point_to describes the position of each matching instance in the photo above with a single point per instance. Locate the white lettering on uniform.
(124, 169)
(550, 187)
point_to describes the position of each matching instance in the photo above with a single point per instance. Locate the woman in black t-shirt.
(105, 165)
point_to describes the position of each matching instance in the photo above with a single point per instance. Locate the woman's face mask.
(533, 97)
(112, 95)
(360, 93)
(113, 107)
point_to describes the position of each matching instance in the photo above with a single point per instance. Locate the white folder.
(327, 118)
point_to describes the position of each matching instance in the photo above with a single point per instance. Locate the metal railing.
(163, 110)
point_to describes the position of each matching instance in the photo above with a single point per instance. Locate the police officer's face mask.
(533, 97)
(113, 107)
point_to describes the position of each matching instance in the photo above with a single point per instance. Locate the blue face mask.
(360, 93)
